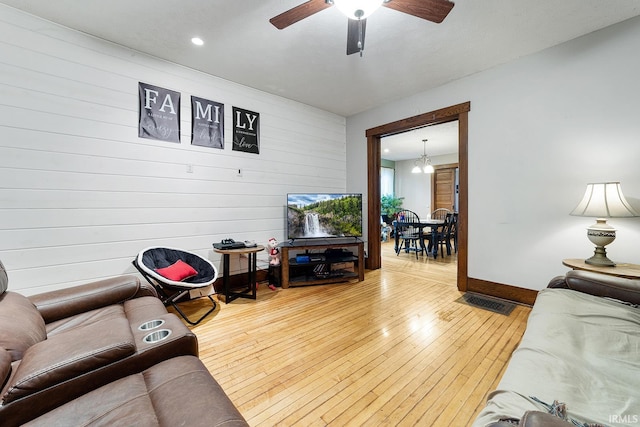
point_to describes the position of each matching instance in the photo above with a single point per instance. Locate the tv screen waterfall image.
(324, 215)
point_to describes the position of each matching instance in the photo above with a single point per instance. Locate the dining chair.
(440, 213)
(454, 232)
(445, 240)
(409, 233)
(440, 237)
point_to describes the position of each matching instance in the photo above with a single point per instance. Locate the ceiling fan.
(358, 10)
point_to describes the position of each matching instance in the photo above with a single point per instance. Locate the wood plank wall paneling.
(81, 194)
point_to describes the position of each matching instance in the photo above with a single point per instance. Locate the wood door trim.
(458, 112)
(446, 166)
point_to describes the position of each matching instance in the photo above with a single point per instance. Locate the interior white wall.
(81, 194)
(540, 129)
(415, 188)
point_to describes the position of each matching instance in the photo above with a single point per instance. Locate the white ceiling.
(307, 61)
(441, 139)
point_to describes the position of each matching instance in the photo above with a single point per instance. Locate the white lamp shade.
(604, 200)
(428, 168)
(416, 169)
(349, 7)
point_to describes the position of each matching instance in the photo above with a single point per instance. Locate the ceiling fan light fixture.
(357, 9)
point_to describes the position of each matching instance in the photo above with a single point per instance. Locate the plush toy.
(274, 252)
(385, 231)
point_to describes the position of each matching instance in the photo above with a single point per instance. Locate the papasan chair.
(175, 272)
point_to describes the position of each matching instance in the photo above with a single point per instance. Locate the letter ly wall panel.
(81, 194)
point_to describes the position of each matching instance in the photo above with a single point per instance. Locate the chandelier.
(423, 164)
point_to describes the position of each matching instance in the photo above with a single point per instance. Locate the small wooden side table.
(629, 271)
(251, 290)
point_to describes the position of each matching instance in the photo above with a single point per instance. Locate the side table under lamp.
(628, 271)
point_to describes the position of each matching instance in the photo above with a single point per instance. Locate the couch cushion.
(123, 402)
(83, 320)
(179, 391)
(21, 325)
(4, 279)
(188, 373)
(70, 355)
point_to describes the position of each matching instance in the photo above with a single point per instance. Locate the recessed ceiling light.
(197, 41)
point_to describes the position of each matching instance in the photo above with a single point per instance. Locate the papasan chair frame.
(171, 291)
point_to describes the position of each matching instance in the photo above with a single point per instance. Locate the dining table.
(420, 225)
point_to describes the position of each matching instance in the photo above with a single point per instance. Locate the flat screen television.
(324, 215)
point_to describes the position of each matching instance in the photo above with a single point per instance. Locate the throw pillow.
(178, 271)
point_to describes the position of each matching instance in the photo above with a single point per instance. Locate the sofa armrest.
(542, 419)
(601, 285)
(534, 419)
(5, 366)
(56, 305)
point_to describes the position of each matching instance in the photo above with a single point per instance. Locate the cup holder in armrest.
(151, 324)
(156, 336)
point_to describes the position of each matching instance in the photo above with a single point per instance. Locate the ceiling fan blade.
(431, 10)
(354, 36)
(298, 13)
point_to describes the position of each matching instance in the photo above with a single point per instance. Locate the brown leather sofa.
(62, 352)
(533, 419)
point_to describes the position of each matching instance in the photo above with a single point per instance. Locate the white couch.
(581, 349)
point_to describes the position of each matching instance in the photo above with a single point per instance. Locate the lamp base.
(601, 234)
(600, 258)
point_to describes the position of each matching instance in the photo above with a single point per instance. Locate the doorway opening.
(419, 168)
(374, 135)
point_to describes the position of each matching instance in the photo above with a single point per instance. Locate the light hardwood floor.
(395, 349)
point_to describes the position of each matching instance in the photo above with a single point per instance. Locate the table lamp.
(603, 200)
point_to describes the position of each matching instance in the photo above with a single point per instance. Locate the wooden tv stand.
(329, 262)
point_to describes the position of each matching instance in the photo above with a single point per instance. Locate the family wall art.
(159, 118)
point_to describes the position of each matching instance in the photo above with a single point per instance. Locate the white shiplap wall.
(81, 194)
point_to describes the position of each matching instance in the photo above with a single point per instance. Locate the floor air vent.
(496, 305)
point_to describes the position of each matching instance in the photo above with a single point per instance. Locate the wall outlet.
(189, 168)
(239, 172)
